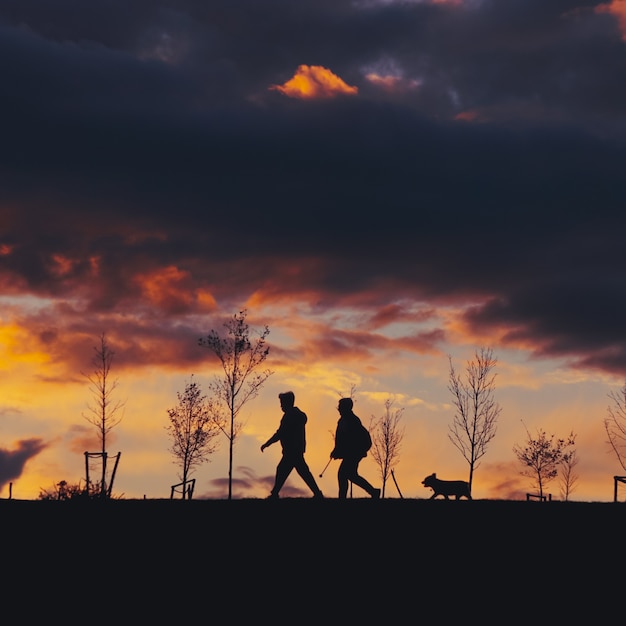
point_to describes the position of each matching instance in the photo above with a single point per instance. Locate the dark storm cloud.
(12, 462)
(144, 135)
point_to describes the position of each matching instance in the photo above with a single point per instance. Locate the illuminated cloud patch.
(467, 116)
(392, 83)
(314, 81)
(167, 288)
(18, 345)
(617, 8)
(61, 265)
(388, 74)
(82, 438)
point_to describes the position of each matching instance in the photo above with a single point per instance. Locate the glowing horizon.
(383, 184)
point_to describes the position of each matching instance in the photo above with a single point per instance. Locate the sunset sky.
(383, 184)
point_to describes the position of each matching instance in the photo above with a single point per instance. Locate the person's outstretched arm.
(273, 439)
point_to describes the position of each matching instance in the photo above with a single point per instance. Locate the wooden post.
(536, 496)
(617, 479)
(396, 483)
(117, 460)
(87, 473)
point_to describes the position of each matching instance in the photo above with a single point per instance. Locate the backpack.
(363, 440)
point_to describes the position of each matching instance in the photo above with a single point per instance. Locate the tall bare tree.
(104, 412)
(615, 424)
(542, 455)
(239, 358)
(475, 420)
(568, 476)
(387, 434)
(192, 430)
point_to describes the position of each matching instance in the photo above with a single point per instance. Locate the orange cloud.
(17, 346)
(167, 288)
(314, 81)
(616, 8)
(62, 265)
(387, 82)
(391, 83)
(467, 116)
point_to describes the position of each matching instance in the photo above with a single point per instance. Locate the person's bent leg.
(358, 480)
(343, 473)
(365, 485)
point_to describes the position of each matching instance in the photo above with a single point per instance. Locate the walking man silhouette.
(292, 436)
(347, 448)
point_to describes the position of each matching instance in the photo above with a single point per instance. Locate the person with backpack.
(352, 442)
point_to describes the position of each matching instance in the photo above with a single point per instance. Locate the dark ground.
(301, 561)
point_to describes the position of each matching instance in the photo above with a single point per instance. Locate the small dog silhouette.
(446, 488)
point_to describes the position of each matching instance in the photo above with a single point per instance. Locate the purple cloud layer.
(145, 162)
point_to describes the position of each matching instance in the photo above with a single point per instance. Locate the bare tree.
(103, 412)
(192, 430)
(387, 437)
(568, 475)
(541, 457)
(239, 357)
(476, 416)
(615, 424)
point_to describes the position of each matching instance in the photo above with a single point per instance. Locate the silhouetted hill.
(305, 561)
